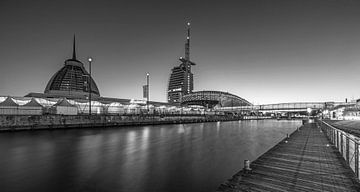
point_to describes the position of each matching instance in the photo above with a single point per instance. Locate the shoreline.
(55, 122)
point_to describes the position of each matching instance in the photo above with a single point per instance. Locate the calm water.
(190, 157)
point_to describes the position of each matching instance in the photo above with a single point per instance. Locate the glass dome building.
(72, 80)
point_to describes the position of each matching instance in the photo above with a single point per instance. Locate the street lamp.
(90, 60)
(148, 90)
(309, 112)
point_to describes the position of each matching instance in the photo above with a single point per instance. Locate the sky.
(266, 51)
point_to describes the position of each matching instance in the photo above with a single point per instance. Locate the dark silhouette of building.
(181, 80)
(72, 80)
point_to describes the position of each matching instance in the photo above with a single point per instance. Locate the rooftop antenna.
(187, 61)
(187, 45)
(74, 50)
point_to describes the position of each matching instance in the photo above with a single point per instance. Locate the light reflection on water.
(189, 157)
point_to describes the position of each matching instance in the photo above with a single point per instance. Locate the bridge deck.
(304, 163)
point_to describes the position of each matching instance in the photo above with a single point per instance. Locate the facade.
(181, 81)
(178, 86)
(211, 99)
(72, 81)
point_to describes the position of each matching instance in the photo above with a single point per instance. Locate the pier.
(305, 161)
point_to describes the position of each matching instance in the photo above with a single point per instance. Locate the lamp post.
(309, 112)
(148, 90)
(90, 60)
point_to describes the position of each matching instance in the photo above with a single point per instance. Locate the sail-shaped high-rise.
(181, 80)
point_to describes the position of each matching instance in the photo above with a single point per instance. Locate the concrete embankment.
(305, 161)
(17, 123)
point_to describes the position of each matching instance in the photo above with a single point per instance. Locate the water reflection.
(189, 157)
(181, 129)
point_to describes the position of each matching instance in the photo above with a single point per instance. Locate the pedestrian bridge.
(286, 107)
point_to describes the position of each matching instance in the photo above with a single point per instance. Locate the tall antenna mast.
(187, 61)
(187, 45)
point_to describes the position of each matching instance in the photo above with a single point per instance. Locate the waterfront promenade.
(306, 161)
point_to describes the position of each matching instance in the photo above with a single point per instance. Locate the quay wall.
(37, 122)
(26, 122)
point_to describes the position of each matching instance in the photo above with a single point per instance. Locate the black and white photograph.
(179, 96)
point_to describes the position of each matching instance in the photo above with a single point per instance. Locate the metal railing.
(347, 144)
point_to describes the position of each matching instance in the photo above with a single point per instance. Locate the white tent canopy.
(46, 102)
(8, 107)
(21, 100)
(31, 108)
(63, 107)
(83, 106)
(131, 106)
(116, 108)
(2, 98)
(115, 104)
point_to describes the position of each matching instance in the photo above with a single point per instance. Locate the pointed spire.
(74, 50)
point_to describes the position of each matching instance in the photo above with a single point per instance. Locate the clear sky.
(264, 51)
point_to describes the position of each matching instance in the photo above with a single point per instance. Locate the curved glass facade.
(214, 98)
(180, 83)
(72, 80)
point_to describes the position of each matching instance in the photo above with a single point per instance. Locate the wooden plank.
(306, 162)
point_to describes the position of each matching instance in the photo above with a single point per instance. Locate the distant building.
(210, 99)
(181, 80)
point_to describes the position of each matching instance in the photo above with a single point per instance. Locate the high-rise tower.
(181, 79)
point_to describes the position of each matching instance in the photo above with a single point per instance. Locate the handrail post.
(357, 159)
(331, 135)
(347, 150)
(341, 144)
(328, 132)
(337, 140)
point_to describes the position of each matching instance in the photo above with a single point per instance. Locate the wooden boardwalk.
(305, 161)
